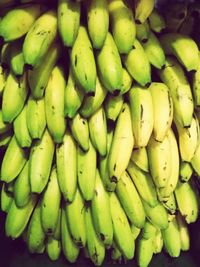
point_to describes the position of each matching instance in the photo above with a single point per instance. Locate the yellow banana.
(143, 9)
(185, 171)
(184, 232)
(113, 106)
(142, 32)
(6, 199)
(126, 81)
(158, 242)
(17, 58)
(156, 21)
(170, 204)
(53, 248)
(140, 158)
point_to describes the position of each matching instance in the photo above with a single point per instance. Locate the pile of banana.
(99, 127)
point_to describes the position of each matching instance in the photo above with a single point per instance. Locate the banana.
(122, 25)
(54, 104)
(130, 200)
(171, 238)
(122, 145)
(170, 204)
(137, 64)
(57, 233)
(4, 127)
(14, 156)
(122, 231)
(156, 21)
(69, 248)
(97, 22)
(162, 110)
(18, 21)
(195, 161)
(80, 125)
(22, 188)
(154, 51)
(98, 131)
(185, 171)
(110, 66)
(5, 56)
(144, 184)
(143, 9)
(3, 78)
(68, 21)
(160, 165)
(103, 165)
(17, 218)
(142, 32)
(50, 204)
(86, 172)
(5, 138)
(148, 231)
(158, 242)
(184, 232)
(196, 85)
(6, 199)
(36, 117)
(187, 201)
(183, 48)
(41, 157)
(39, 39)
(140, 158)
(39, 76)
(95, 247)
(142, 114)
(113, 106)
(135, 231)
(93, 103)
(21, 129)
(66, 164)
(73, 97)
(16, 89)
(35, 233)
(17, 58)
(83, 62)
(174, 78)
(10, 187)
(53, 248)
(75, 212)
(126, 81)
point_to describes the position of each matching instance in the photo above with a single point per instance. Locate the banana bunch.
(99, 127)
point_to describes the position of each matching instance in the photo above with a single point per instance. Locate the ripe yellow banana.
(113, 106)
(140, 158)
(185, 171)
(143, 9)
(126, 81)
(17, 58)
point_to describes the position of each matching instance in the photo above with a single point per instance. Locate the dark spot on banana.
(137, 21)
(61, 14)
(133, 47)
(96, 193)
(83, 122)
(49, 231)
(86, 77)
(91, 94)
(147, 84)
(114, 167)
(163, 67)
(113, 179)
(80, 172)
(28, 67)
(102, 236)
(75, 60)
(145, 40)
(116, 92)
(141, 111)
(123, 110)
(87, 204)
(79, 243)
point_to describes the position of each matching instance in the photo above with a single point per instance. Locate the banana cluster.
(99, 128)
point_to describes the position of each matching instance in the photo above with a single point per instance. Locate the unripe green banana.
(93, 103)
(53, 248)
(183, 48)
(86, 172)
(69, 248)
(17, 218)
(154, 51)
(156, 21)
(174, 77)
(126, 81)
(16, 89)
(144, 251)
(17, 58)
(98, 131)
(143, 31)
(21, 129)
(39, 76)
(14, 156)
(50, 204)
(54, 104)
(98, 22)
(96, 249)
(122, 145)
(170, 204)
(36, 117)
(113, 106)
(18, 21)
(41, 157)
(110, 66)
(4, 127)
(83, 62)
(140, 158)
(148, 231)
(185, 171)
(35, 233)
(22, 188)
(143, 9)
(6, 199)
(39, 39)
(162, 110)
(184, 232)
(142, 114)
(122, 25)
(80, 131)
(130, 200)
(68, 21)
(137, 64)
(66, 164)
(122, 231)
(195, 161)
(75, 212)
(101, 214)
(144, 184)
(73, 97)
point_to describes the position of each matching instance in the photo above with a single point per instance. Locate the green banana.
(6, 199)
(83, 62)
(158, 242)
(142, 32)
(54, 104)
(140, 158)
(5, 138)
(135, 231)
(53, 248)
(41, 157)
(17, 58)
(148, 231)
(113, 106)
(97, 22)
(126, 81)
(39, 39)
(185, 171)
(144, 251)
(66, 164)
(4, 127)
(143, 9)
(14, 156)
(68, 21)
(156, 21)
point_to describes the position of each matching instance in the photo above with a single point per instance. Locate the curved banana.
(17, 58)
(148, 231)
(113, 106)
(68, 21)
(142, 32)
(185, 171)
(170, 204)
(126, 81)
(143, 9)
(184, 232)
(53, 248)
(5, 56)
(144, 250)
(140, 158)
(5, 138)
(156, 21)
